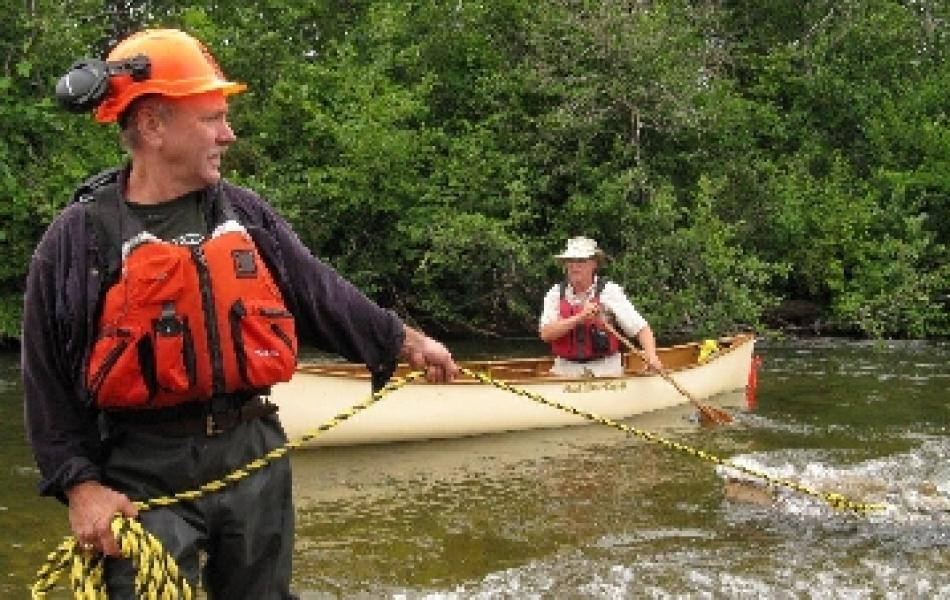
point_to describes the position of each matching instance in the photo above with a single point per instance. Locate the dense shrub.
(730, 157)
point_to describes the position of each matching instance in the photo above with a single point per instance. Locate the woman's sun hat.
(581, 247)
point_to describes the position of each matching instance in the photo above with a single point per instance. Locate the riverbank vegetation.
(745, 164)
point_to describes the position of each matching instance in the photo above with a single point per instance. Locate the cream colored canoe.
(420, 410)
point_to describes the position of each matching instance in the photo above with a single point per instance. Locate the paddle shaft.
(709, 411)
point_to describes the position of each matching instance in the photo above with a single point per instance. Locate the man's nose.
(226, 135)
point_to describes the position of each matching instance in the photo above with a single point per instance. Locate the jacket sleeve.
(63, 433)
(330, 312)
(617, 302)
(551, 307)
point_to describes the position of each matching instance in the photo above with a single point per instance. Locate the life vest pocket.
(158, 273)
(115, 377)
(264, 340)
(175, 362)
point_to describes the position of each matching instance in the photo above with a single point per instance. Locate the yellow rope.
(834, 500)
(157, 574)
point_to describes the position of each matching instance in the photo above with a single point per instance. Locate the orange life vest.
(588, 340)
(186, 321)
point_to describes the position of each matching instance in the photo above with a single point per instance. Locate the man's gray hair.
(129, 135)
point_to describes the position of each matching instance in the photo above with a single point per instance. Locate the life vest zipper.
(211, 321)
(109, 361)
(579, 341)
(279, 332)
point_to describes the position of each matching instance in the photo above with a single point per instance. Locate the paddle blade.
(712, 415)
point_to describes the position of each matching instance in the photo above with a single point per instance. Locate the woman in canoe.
(572, 313)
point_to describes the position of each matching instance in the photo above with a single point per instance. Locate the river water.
(592, 512)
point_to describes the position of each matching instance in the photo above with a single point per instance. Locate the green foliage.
(40, 159)
(728, 155)
(684, 269)
(889, 294)
(469, 278)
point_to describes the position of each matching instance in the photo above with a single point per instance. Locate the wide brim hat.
(581, 248)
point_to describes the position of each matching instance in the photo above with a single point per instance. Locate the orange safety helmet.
(180, 65)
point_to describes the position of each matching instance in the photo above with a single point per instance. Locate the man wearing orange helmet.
(160, 307)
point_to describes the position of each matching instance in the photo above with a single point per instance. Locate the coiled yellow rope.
(157, 574)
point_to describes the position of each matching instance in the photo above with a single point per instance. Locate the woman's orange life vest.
(588, 340)
(186, 321)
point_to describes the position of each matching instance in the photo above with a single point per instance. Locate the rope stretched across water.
(837, 501)
(158, 575)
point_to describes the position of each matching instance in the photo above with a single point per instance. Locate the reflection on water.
(590, 512)
(429, 514)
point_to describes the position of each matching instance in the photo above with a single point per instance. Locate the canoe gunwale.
(466, 407)
(534, 370)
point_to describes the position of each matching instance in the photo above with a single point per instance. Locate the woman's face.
(580, 272)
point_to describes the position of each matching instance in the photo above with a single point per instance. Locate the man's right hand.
(91, 509)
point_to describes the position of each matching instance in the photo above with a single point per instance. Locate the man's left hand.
(423, 352)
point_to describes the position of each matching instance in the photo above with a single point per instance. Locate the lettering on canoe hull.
(584, 387)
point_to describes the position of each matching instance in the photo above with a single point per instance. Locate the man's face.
(194, 138)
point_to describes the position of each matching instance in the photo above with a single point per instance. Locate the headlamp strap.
(138, 67)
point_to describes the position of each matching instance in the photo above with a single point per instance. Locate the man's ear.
(151, 125)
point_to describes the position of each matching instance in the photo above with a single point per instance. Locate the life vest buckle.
(211, 427)
(190, 239)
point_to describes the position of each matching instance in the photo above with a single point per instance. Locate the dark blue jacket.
(63, 296)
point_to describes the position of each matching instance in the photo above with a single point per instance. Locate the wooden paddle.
(707, 413)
